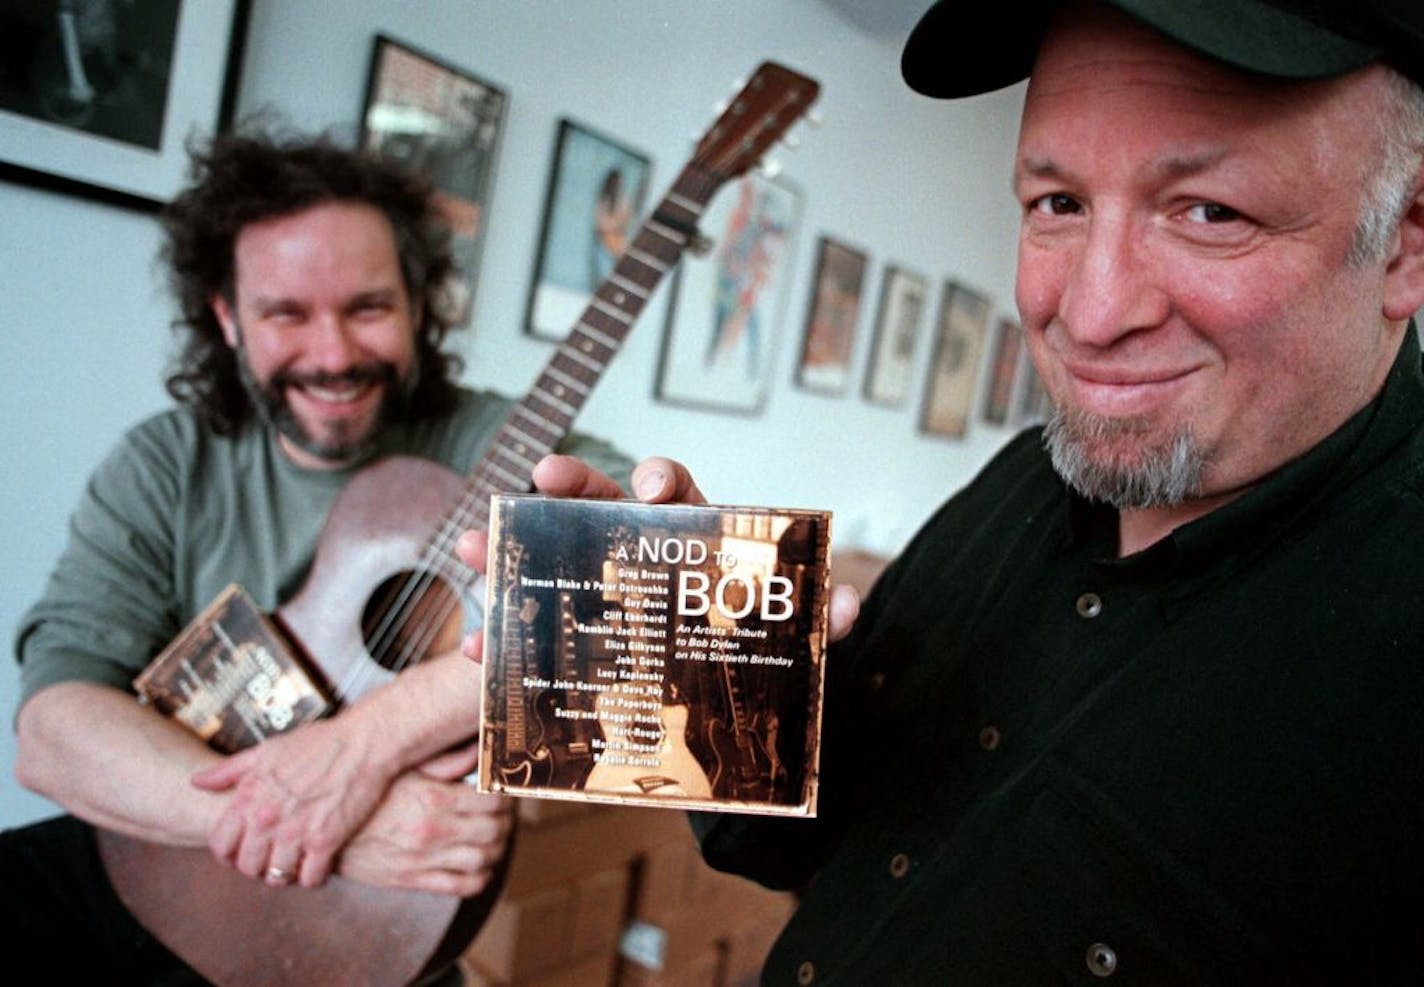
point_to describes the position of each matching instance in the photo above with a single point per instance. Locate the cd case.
(664, 655)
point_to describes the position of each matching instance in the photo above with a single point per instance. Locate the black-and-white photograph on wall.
(98, 97)
(897, 330)
(444, 123)
(728, 305)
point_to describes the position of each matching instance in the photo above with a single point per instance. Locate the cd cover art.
(655, 654)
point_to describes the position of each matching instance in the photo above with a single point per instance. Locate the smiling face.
(1183, 276)
(323, 328)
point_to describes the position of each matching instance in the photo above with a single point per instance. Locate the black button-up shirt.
(1203, 763)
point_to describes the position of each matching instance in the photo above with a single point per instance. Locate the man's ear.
(223, 313)
(1404, 276)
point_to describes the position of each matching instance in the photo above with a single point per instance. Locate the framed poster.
(1003, 371)
(897, 330)
(959, 338)
(727, 306)
(596, 192)
(828, 342)
(444, 123)
(100, 99)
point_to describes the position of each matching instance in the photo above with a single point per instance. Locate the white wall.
(911, 180)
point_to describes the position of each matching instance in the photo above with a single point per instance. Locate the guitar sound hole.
(409, 617)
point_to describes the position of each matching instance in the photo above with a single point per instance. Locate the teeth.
(336, 394)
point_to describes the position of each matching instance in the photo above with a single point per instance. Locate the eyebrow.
(1175, 167)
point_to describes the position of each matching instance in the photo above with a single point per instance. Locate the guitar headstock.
(764, 109)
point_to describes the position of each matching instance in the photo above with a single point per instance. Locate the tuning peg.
(739, 83)
(790, 143)
(770, 168)
(813, 117)
(720, 107)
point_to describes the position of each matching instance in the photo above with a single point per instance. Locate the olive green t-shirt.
(175, 513)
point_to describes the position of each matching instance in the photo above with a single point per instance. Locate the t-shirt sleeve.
(108, 605)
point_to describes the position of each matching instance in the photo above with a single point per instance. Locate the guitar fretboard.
(536, 425)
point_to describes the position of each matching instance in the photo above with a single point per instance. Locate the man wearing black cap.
(1145, 701)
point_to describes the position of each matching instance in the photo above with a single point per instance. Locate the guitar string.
(468, 509)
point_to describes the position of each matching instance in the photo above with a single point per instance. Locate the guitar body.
(678, 772)
(238, 931)
(373, 541)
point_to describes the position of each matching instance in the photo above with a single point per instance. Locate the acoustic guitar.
(383, 592)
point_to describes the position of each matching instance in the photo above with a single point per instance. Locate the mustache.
(374, 372)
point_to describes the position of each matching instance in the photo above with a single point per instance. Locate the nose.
(1111, 288)
(331, 345)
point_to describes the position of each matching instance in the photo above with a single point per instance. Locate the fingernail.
(651, 484)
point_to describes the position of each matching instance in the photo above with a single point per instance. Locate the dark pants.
(58, 908)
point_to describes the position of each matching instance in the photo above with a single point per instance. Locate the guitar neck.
(536, 425)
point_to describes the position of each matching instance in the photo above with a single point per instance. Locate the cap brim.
(946, 58)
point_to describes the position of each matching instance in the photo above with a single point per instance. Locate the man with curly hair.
(309, 280)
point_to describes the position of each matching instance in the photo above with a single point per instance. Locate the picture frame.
(1004, 359)
(597, 186)
(105, 107)
(724, 318)
(828, 342)
(960, 329)
(904, 295)
(443, 123)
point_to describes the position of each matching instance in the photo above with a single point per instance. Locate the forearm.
(427, 709)
(108, 760)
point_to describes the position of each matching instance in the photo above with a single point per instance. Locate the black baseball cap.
(962, 49)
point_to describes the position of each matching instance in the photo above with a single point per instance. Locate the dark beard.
(270, 402)
(1164, 475)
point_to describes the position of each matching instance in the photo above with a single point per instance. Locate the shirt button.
(1089, 605)
(989, 738)
(1102, 960)
(806, 973)
(876, 681)
(899, 865)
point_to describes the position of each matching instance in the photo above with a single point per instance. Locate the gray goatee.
(1081, 447)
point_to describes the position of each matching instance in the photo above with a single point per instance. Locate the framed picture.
(100, 99)
(444, 123)
(959, 338)
(829, 339)
(1003, 371)
(897, 330)
(596, 192)
(727, 306)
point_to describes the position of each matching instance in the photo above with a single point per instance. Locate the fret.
(601, 338)
(668, 234)
(646, 259)
(637, 291)
(578, 357)
(567, 381)
(683, 202)
(514, 481)
(553, 401)
(612, 311)
(516, 454)
(526, 438)
(529, 414)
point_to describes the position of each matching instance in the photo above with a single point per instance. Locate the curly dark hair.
(238, 179)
